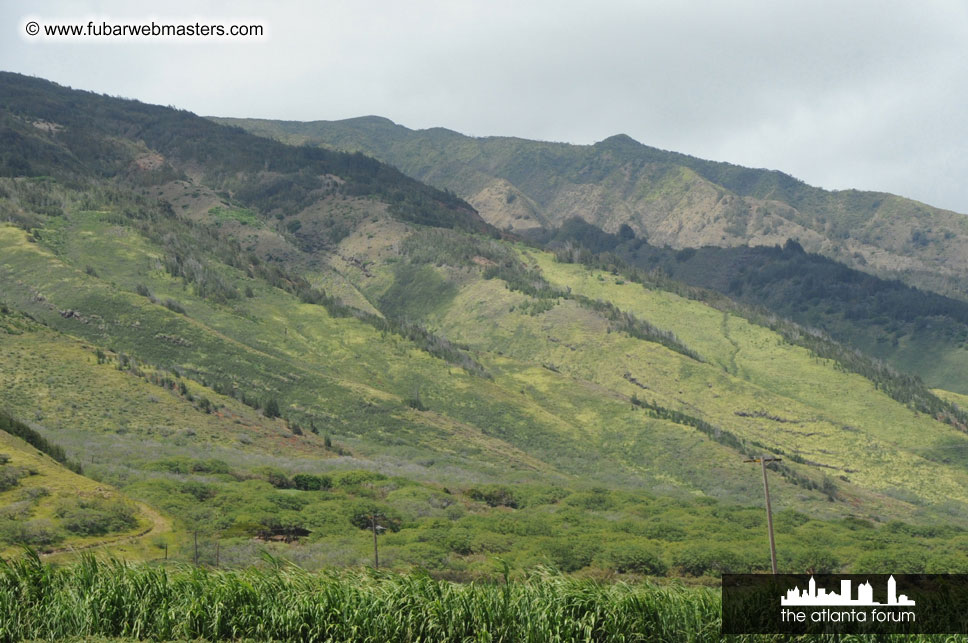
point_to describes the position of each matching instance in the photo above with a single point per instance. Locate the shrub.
(34, 493)
(356, 477)
(275, 477)
(32, 532)
(570, 555)
(287, 501)
(199, 490)
(10, 477)
(415, 403)
(309, 482)
(460, 541)
(666, 532)
(594, 500)
(947, 563)
(699, 560)
(636, 558)
(814, 561)
(890, 561)
(271, 409)
(494, 495)
(96, 516)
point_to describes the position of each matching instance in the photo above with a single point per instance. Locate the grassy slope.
(858, 433)
(340, 370)
(497, 421)
(915, 331)
(959, 399)
(572, 425)
(819, 398)
(539, 418)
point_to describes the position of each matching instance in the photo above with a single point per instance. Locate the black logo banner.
(845, 604)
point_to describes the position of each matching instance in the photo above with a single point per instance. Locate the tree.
(272, 408)
(309, 482)
(631, 557)
(376, 519)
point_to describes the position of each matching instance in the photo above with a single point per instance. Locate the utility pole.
(376, 553)
(769, 512)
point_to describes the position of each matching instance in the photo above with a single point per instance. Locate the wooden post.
(769, 515)
(769, 510)
(376, 553)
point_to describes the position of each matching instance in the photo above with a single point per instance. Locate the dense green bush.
(96, 516)
(892, 560)
(10, 477)
(494, 495)
(184, 465)
(35, 533)
(277, 478)
(947, 563)
(572, 554)
(309, 482)
(636, 558)
(812, 561)
(356, 477)
(594, 500)
(710, 559)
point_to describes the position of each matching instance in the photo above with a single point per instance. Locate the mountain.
(147, 145)
(670, 198)
(268, 344)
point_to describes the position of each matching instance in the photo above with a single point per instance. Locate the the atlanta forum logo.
(813, 596)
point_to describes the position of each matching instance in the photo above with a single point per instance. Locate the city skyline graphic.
(812, 595)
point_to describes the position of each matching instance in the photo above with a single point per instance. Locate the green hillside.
(46, 505)
(275, 366)
(916, 331)
(670, 198)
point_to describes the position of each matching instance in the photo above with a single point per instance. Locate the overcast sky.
(872, 95)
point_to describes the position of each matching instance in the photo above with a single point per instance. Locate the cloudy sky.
(872, 95)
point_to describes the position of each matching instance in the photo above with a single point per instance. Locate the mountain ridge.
(671, 198)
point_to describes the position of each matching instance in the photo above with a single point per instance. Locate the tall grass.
(92, 600)
(116, 599)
